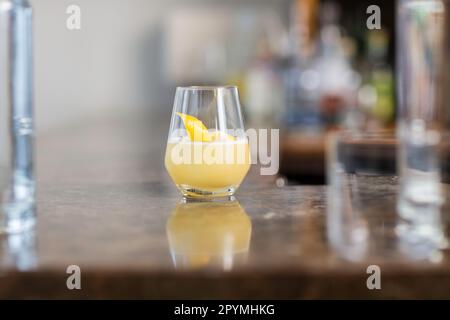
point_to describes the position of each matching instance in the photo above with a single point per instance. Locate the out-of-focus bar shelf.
(303, 156)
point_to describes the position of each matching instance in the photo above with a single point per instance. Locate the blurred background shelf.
(300, 65)
(302, 158)
(103, 102)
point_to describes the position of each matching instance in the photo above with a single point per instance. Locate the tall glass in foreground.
(207, 153)
(16, 117)
(423, 53)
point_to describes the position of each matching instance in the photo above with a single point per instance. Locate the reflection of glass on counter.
(19, 251)
(209, 234)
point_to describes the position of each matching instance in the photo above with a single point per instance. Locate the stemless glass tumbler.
(207, 153)
(16, 117)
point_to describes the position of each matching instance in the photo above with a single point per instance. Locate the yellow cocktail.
(206, 162)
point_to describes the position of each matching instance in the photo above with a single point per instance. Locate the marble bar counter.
(106, 205)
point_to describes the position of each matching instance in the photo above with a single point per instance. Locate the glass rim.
(206, 88)
(364, 136)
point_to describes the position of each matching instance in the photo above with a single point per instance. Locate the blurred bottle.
(339, 82)
(320, 88)
(301, 84)
(376, 97)
(263, 95)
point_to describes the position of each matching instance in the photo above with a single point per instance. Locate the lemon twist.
(197, 131)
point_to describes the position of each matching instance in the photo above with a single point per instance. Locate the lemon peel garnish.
(197, 131)
(195, 128)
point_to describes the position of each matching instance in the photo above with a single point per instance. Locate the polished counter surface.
(106, 204)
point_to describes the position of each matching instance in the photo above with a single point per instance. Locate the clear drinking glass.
(16, 117)
(207, 153)
(423, 127)
(362, 218)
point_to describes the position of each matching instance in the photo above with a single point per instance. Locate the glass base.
(200, 194)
